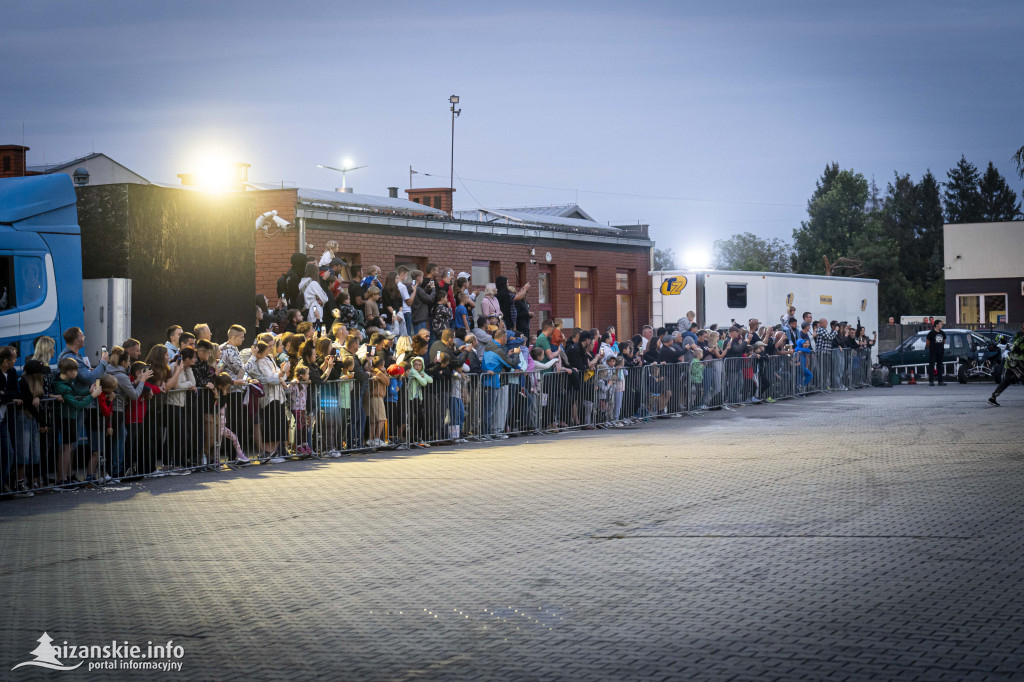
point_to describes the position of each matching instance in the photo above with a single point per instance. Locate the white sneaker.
(158, 474)
(276, 460)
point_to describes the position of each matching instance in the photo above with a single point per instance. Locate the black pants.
(935, 370)
(1008, 376)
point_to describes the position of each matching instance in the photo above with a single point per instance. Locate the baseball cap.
(465, 274)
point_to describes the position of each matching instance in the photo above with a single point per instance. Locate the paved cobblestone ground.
(872, 534)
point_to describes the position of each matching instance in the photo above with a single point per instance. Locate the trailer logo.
(825, 300)
(673, 285)
(863, 304)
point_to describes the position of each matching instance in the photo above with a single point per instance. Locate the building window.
(736, 295)
(411, 262)
(545, 294)
(981, 309)
(7, 164)
(482, 273)
(417, 200)
(437, 201)
(583, 293)
(623, 304)
(7, 297)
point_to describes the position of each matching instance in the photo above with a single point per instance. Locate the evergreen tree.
(930, 285)
(835, 216)
(963, 201)
(998, 200)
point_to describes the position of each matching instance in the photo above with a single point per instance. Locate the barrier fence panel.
(185, 430)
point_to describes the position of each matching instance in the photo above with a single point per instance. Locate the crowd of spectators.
(346, 361)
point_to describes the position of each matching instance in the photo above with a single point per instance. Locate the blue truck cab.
(40, 261)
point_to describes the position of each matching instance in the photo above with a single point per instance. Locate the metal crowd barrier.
(185, 431)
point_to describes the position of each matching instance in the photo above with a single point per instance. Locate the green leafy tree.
(998, 200)
(1018, 158)
(747, 251)
(880, 255)
(836, 215)
(963, 200)
(664, 259)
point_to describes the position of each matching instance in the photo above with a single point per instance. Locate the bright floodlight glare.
(697, 258)
(347, 163)
(454, 99)
(214, 174)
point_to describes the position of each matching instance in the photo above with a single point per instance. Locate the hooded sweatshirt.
(314, 297)
(126, 390)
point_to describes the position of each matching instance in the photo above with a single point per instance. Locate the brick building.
(589, 274)
(91, 169)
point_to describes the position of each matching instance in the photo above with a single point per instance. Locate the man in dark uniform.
(1014, 368)
(935, 343)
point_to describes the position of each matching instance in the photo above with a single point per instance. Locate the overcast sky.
(728, 110)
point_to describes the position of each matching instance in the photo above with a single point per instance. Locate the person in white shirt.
(405, 326)
(313, 294)
(646, 334)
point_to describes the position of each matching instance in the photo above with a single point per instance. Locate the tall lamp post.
(454, 99)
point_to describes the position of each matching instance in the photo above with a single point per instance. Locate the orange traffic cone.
(913, 378)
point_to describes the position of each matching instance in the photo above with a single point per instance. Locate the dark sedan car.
(961, 345)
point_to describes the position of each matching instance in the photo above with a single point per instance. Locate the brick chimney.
(437, 197)
(12, 161)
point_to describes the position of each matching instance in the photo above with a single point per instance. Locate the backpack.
(288, 287)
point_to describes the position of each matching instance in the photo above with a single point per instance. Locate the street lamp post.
(454, 99)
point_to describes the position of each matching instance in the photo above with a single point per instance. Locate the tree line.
(895, 236)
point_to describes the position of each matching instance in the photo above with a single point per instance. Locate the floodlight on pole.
(454, 99)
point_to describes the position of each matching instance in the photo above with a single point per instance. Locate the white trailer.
(724, 297)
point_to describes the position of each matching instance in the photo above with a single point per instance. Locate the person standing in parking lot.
(935, 343)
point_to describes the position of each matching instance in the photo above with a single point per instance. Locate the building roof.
(61, 167)
(532, 217)
(558, 211)
(365, 202)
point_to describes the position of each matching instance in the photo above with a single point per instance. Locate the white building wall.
(984, 250)
(103, 171)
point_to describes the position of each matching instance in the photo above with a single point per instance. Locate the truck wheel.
(961, 374)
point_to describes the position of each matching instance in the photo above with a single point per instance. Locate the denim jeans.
(115, 459)
(6, 454)
(456, 411)
(28, 432)
(491, 397)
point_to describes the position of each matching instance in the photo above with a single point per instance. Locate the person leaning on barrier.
(133, 347)
(9, 401)
(670, 352)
